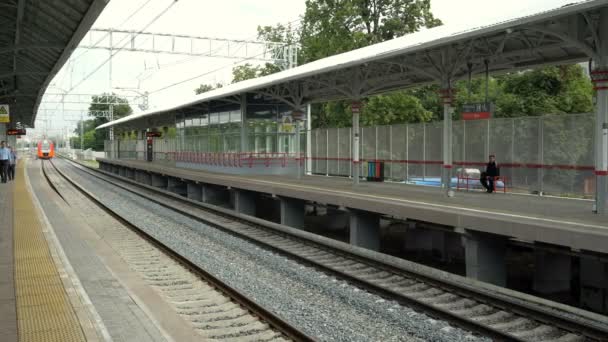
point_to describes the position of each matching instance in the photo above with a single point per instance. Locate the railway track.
(477, 311)
(215, 310)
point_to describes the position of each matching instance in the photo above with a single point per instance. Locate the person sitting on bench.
(492, 171)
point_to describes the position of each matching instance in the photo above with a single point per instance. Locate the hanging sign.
(297, 115)
(4, 113)
(477, 111)
(286, 125)
(154, 134)
(16, 131)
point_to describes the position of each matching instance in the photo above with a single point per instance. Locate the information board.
(16, 131)
(4, 113)
(477, 111)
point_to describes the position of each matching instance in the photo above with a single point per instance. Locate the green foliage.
(549, 90)
(278, 34)
(335, 26)
(245, 72)
(392, 108)
(330, 27)
(206, 87)
(94, 139)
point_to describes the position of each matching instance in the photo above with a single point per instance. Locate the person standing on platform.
(4, 155)
(12, 162)
(488, 177)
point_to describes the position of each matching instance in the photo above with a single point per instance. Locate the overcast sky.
(235, 19)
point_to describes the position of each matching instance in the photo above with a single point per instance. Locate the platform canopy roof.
(537, 37)
(36, 39)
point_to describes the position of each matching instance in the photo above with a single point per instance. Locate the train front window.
(46, 145)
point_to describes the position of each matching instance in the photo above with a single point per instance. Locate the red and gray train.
(46, 149)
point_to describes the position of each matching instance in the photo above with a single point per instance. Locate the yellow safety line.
(44, 312)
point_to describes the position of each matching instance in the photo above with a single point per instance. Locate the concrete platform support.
(143, 177)
(419, 240)
(159, 181)
(453, 247)
(552, 272)
(292, 212)
(177, 186)
(122, 171)
(195, 191)
(130, 173)
(215, 195)
(485, 257)
(244, 202)
(365, 229)
(440, 244)
(594, 285)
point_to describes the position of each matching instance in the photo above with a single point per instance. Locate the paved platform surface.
(59, 281)
(45, 310)
(559, 221)
(8, 313)
(122, 317)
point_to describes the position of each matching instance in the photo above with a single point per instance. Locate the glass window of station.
(269, 128)
(215, 130)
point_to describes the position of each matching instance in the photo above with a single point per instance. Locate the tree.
(336, 26)
(549, 90)
(393, 108)
(245, 72)
(95, 138)
(203, 88)
(272, 34)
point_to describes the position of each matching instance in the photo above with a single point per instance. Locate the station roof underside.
(568, 34)
(36, 39)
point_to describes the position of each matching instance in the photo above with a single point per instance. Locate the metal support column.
(299, 161)
(308, 141)
(327, 151)
(446, 94)
(82, 134)
(541, 157)
(407, 153)
(244, 143)
(600, 79)
(111, 109)
(390, 150)
(356, 134)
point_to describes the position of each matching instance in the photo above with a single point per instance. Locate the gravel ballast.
(320, 305)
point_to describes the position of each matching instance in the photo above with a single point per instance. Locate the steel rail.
(590, 331)
(265, 315)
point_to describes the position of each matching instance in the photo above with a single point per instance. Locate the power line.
(214, 70)
(120, 49)
(72, 60)
(203, 74)
(119, 25)
(186, 60)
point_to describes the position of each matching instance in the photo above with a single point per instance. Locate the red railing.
(234, 159)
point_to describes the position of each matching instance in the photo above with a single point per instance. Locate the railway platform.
(37, 301)
(63, 281)
(559, 221)
(476, 227)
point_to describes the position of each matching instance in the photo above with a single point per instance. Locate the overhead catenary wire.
(121, 47)
(72, 60)
(75, 58)
(214, 70)
(119, 25)
(186, 60)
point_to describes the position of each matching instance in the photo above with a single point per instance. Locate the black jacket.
(492, 170)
